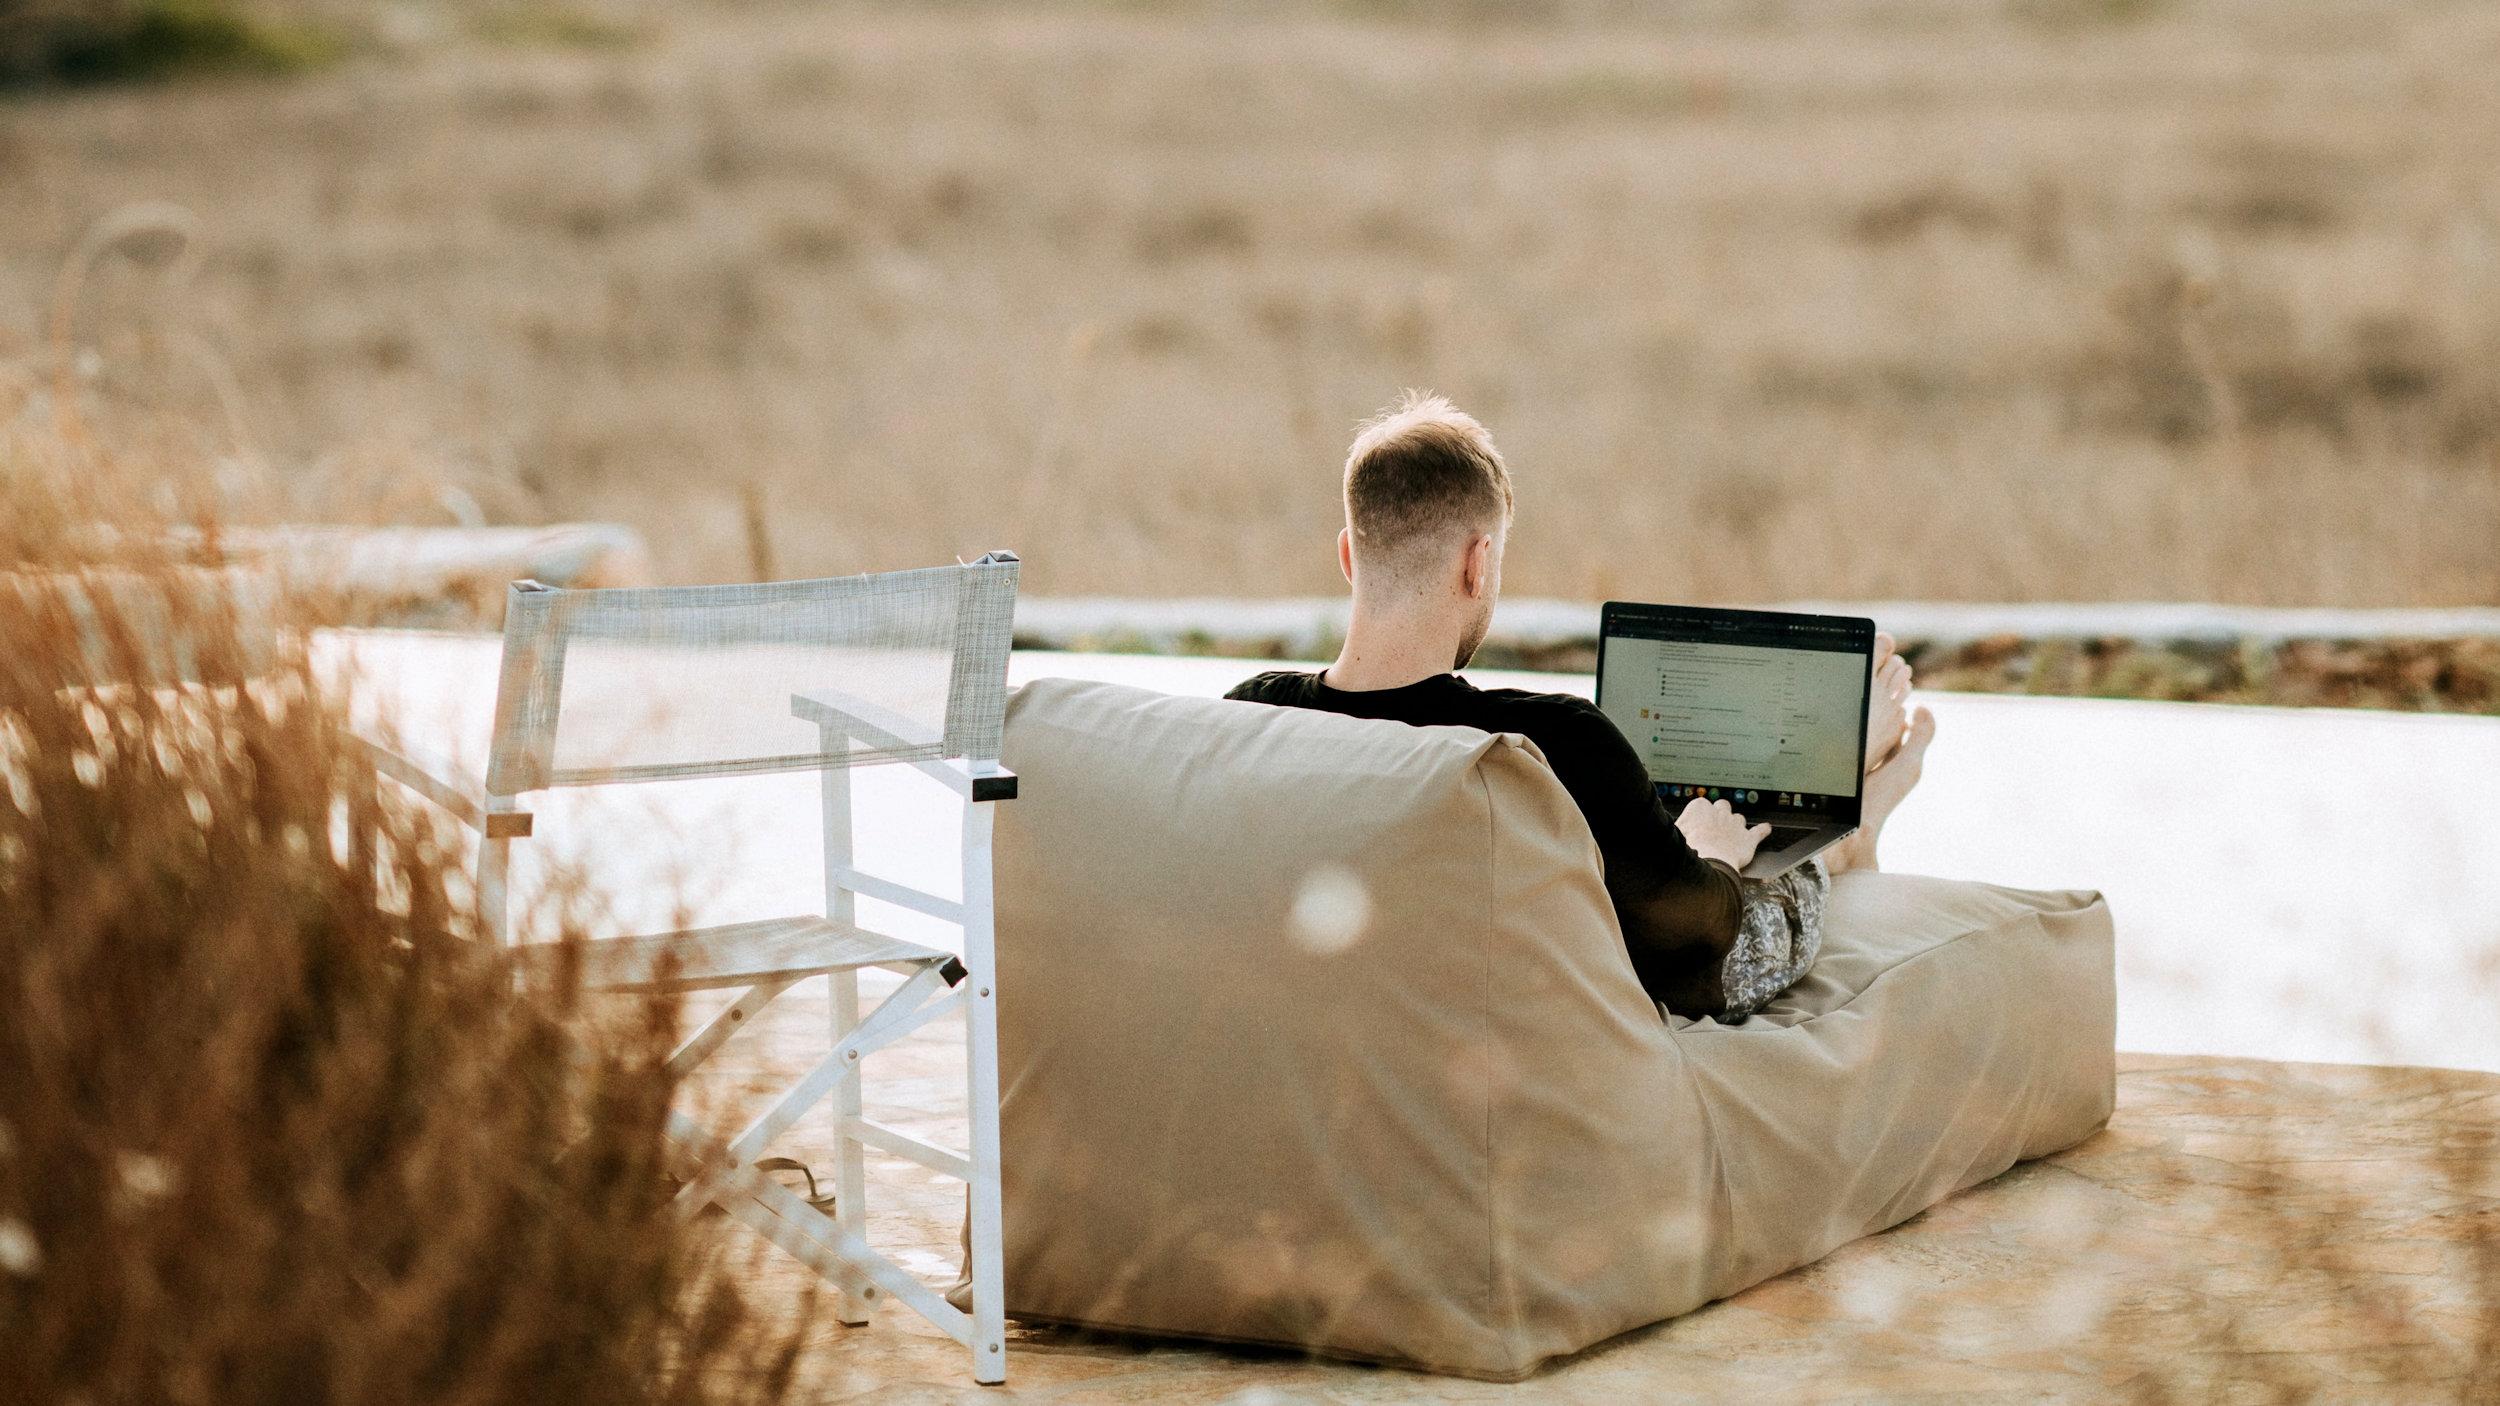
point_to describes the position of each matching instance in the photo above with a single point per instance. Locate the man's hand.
(1717, 832)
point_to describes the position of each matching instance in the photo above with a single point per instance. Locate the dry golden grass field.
(1988, 299)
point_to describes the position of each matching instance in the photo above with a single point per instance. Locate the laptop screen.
(1762, 709)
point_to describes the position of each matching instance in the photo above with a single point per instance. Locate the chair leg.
(989, 1306)
(850, 1175)
(850, 1171)
(494, 860)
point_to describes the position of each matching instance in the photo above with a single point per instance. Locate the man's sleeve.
(1680, 912)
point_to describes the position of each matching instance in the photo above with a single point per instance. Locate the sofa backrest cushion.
(1317, 1031)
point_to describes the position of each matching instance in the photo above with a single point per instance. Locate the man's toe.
(1922, 732)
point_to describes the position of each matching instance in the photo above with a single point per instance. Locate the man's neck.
(1390, 652)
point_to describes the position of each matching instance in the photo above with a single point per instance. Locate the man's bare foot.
(1887, 704)
(1887, 786)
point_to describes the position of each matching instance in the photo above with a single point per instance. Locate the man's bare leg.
(1887, 704)
(1887, 786)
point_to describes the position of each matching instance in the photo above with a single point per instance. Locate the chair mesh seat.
(736, 954)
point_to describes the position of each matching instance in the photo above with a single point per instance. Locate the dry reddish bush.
(274, 1124)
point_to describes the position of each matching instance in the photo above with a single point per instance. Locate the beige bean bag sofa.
(1318, 1032)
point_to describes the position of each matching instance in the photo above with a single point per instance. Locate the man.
(1428, 507)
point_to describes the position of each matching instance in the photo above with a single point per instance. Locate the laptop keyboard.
(1782, 836)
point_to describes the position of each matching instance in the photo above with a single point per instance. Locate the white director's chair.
(910, 667)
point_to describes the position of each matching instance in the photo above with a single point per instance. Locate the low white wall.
(1303, 626)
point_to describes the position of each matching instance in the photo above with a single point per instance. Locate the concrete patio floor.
(2288, 886)
(2243, 1231)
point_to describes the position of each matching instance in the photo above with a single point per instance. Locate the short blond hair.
(1421, 477)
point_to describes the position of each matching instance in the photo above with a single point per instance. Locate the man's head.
(1427, 508)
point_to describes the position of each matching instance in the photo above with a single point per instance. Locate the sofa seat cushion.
(1946, 1031)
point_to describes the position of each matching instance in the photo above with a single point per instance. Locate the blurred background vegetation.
(104, 41)
(1975, 299)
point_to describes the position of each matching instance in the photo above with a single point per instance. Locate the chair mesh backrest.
(652, 683)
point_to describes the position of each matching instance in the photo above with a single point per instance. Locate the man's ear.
(1475, 575)
(1345, 553)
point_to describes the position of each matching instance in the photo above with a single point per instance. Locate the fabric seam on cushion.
(1719, 1189)
(1494, 1298)
(1327, 1351)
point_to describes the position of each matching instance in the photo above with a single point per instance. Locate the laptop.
(1762, 709)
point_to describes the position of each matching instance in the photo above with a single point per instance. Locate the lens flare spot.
(1332, 909)
(19, 1254)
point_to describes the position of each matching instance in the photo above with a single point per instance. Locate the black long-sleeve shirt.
(1681, 914)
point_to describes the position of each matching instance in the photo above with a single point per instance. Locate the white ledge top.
(1306, 620)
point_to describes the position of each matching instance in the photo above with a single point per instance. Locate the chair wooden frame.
(764, 959)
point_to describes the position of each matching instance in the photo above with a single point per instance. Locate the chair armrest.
(437, 780)
(872, 723)
(843, 715)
